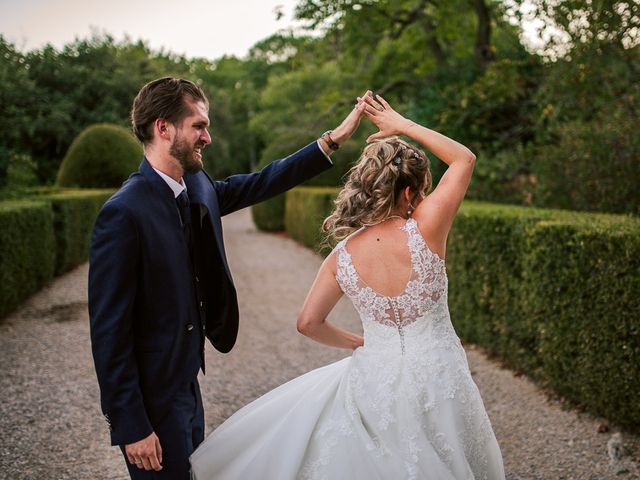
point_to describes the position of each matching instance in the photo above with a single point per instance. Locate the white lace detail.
(426, 288)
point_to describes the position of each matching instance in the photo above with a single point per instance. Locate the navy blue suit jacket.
(146, 326)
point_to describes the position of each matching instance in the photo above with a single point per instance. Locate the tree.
(17, 98)
(72, 91)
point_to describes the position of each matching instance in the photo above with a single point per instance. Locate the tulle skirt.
(364, 417)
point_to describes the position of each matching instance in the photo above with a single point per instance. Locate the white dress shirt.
(176, 187)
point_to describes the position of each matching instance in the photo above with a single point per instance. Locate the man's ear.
(162, 128)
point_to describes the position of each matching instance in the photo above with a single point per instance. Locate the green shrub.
(5, 162)
(102, 156)
(306, 208)
(592, 165)
(28, 248)
(75, 212)
(583, 285)
(555, 293)
(504, 177)
(43, 236)
(270, 215)
(485, 256)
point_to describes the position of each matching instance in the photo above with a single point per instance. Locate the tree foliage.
(461, 67)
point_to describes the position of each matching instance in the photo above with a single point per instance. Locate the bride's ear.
(408, 194)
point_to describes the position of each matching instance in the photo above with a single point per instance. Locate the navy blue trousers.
(180, 433)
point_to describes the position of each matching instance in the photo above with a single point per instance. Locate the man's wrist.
(338, 136)
(328, 139)
(324, 146)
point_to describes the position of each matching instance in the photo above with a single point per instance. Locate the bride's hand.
(388, 121)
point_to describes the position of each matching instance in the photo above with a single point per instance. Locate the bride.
(404, 404)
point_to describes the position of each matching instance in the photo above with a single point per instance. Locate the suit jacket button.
(189, 327)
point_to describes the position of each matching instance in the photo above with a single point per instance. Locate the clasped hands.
(379, 112)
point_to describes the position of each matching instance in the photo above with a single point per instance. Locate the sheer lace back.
(426, 288)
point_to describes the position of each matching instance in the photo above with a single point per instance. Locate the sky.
(195, 28)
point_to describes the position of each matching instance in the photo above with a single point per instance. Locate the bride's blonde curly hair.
(375, 184)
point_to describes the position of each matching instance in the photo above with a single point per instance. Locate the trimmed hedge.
(27, 246)
(555, 293)
(583, 277)
(41, 237)
(270, 214)
(74, 213)
(306, 208)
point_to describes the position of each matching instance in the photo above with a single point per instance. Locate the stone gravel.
(52, 428)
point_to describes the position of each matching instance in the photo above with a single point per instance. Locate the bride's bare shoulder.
(330, 262)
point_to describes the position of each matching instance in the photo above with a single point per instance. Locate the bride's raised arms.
(436, 213)
(322, 297)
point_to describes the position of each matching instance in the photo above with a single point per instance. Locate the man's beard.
(185, 154)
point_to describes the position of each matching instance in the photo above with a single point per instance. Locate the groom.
(158, 275)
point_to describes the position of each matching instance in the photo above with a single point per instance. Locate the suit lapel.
(201, 192)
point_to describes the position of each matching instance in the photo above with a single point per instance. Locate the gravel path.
(52, 427)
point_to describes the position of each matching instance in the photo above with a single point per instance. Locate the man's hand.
(349, 125)
(145, 454)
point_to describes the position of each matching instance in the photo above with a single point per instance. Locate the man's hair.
(163, 98)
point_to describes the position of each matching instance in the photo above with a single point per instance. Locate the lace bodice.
(423, 300)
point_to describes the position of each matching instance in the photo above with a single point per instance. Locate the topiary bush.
(582, 284)
(102, 156)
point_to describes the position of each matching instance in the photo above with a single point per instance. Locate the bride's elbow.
(470, 157)
(308, 324)
(303, 325)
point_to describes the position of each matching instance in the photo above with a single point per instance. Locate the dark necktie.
(185, 215)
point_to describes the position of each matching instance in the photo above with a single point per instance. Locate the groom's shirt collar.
(176, 187)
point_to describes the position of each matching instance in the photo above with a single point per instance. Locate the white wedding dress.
(404, 406)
